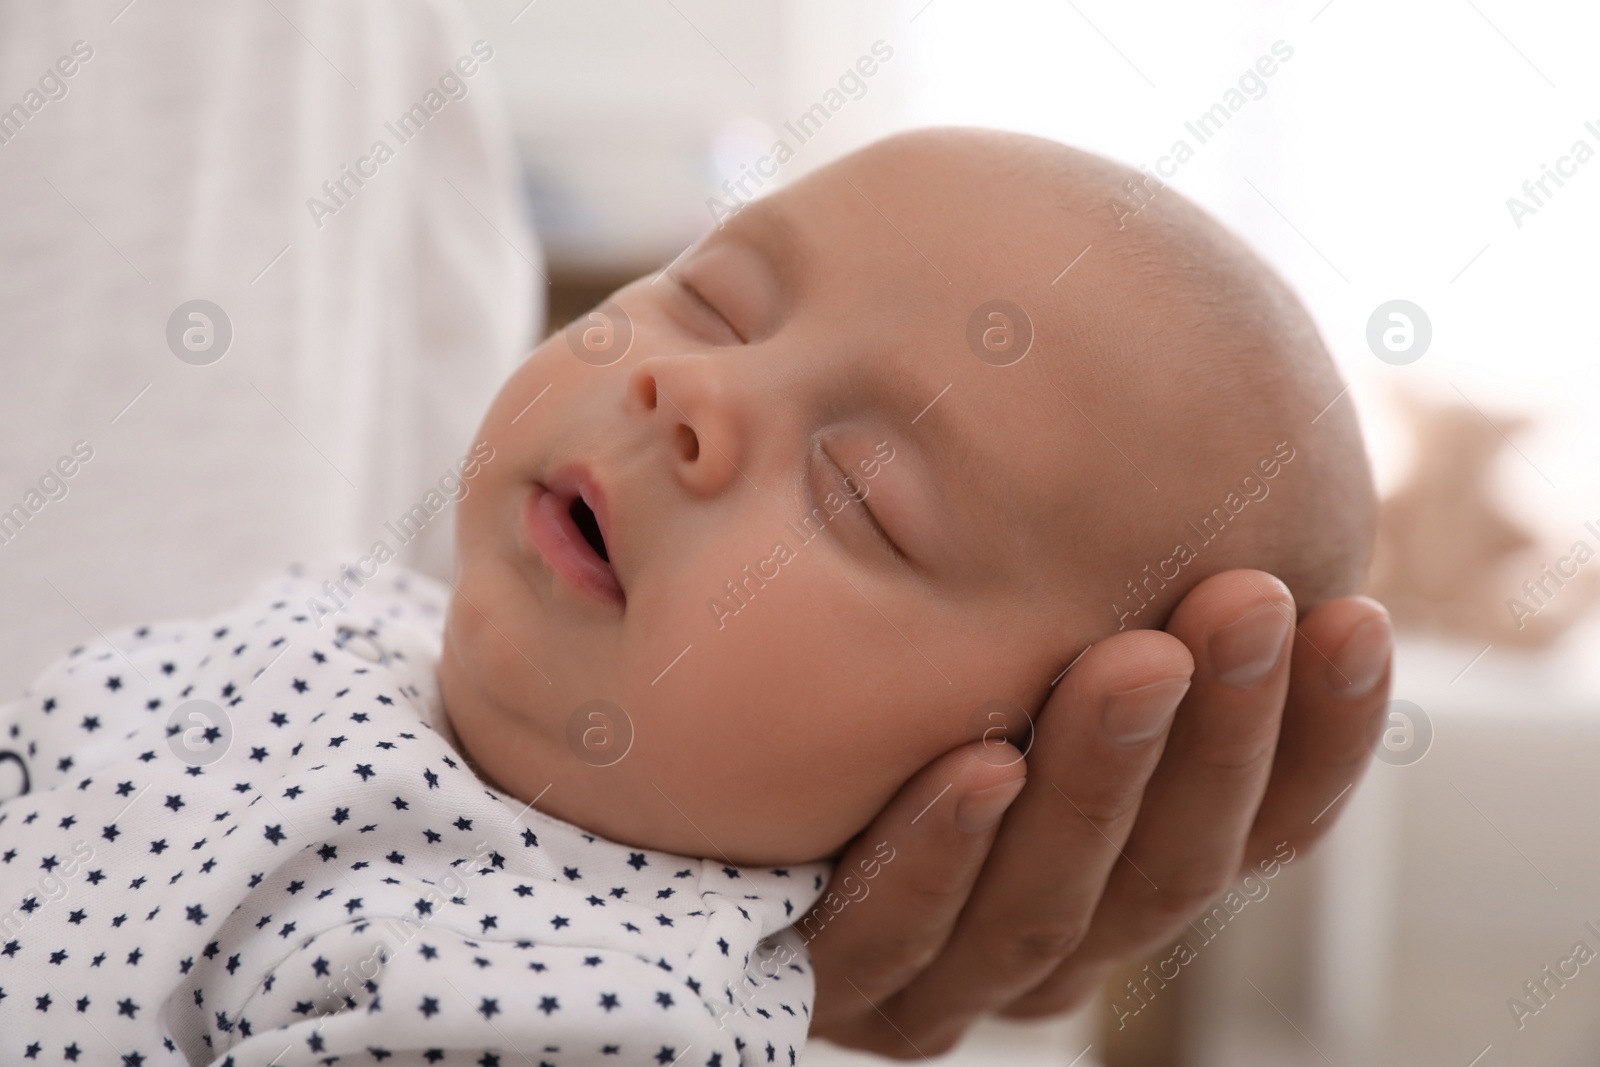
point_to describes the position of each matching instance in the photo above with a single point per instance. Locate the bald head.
(811, 463)
(1201, 377)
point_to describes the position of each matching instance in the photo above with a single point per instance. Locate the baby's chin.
(670, 807)
(587, 769)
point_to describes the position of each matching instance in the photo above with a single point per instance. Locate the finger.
(1338, 689)
(924, 852)
(1095, 745)
(1339, 683)
(1189, 840)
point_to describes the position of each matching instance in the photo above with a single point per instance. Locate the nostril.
(643, 386)
(688, 443)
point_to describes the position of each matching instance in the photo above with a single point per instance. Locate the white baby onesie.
(309, 872)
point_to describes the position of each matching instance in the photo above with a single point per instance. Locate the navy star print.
(338, 886)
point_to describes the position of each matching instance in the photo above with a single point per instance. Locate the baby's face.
(837, 541)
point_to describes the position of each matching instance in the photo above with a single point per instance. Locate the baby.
(848, 485)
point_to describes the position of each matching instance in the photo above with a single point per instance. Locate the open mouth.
(583, 515)
(566, 521)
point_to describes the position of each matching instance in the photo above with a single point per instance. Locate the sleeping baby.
(850, 484)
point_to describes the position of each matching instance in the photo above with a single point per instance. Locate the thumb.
(900, 886)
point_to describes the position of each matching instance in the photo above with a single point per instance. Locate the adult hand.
(1130, 820)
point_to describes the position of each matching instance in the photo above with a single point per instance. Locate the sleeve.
(97, 701)
(383, 991)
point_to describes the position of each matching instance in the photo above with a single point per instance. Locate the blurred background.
(1425, 175)
(1377, 163)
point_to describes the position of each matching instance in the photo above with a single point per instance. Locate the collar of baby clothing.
(311, 872)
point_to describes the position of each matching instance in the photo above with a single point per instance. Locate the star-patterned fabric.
(310, 872)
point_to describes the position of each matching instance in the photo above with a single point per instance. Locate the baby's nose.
(694, 415)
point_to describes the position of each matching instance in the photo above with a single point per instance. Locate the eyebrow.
(787, 253)
(941, 430)
(926, 419)
(763, 222)
(760, 219)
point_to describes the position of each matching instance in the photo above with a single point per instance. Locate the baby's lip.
(558, 539)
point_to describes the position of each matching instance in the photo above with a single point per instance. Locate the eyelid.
(700, 299)
(872, 519)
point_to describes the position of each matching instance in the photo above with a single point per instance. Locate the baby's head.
(851, 504)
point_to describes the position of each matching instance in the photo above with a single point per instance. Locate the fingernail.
(1362, 659)
(1245, 651)
(981, 810)
(1139, 714)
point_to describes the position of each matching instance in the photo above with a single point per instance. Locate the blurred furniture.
(574, 291)
(1447, 885)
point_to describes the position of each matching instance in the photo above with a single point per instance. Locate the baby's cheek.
(789, 724)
